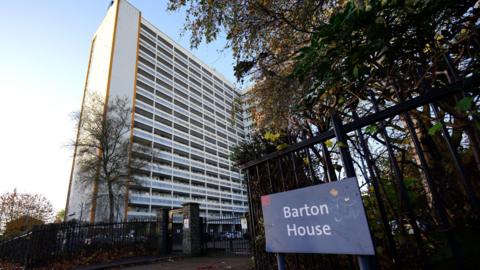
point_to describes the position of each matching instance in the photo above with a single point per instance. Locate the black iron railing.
(420, 195)
(49, 242)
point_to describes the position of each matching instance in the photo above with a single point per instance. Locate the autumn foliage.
(20, 211)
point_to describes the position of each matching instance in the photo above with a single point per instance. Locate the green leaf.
(434, 129)
(282, 146)
(271, 137)
(371, 129)
(355, 72)
(328, 143)
(464, 104)
(341, 144)
(306, 161)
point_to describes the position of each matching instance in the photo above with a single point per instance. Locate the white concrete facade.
(182, 109)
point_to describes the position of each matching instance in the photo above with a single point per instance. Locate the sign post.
(281, 261)
(326, 218)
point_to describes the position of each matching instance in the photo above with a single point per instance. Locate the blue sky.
(43, 61)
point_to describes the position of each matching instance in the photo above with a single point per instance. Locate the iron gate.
(418, 183)
(175, 230)
(225, 235)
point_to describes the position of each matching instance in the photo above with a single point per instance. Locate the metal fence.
(419, 186)
(225, 235)
(49, 242)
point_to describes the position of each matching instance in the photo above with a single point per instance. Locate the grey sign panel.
(325, 218)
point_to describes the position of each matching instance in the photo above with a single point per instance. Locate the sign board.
(186, 224)
(325, 218)
(243, 222)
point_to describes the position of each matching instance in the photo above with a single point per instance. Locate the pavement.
(198, 263)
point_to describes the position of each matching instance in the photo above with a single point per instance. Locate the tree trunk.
(111, 202)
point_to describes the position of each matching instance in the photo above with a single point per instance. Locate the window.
(165, 42)
(195, 81)
(181, 73)
(223, 166)
(144, 99)
(218, 96)
(182, 105)
(166, 63)
(208, 99)
(198, 103)
(162, 147)
(196, 145)
(147, 51)
(210, 129)
(165, 52)
(181, 116)
(211, 162)
(184, 56)
(163, 108)
(196, 170)
(177, 81)
(196, 123)
(144, 27)
(194, 72)
(164, 73)
(164, 84)
(193, 62)
(142, 126)
(162, 95)
(142, 141)
(196, 134)
(181, 93)
(208, 108)
(210, 140)
(221, 107)
(143, 112)
(145, 86)
(207, 89)
(212, 174)
(206, 71)
(222, 145)
(209, 119)
(180, 62)
(145, 74)
(181, 128)
(217, 80)
(207, 81)
(163, 134)
(195, 112)
(180, 140)
(146, 62)
(193, 90)
(147, 40)
(163, 120)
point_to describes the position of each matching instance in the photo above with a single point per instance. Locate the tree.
(14, 205)
(103, 149)
(20, 225)
(327, 55)
(60, 216)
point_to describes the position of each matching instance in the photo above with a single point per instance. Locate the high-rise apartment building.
(184, 111)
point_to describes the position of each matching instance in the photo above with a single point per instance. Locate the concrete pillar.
(192, 230)
(162, 230)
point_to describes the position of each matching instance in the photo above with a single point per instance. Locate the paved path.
(199, 263)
